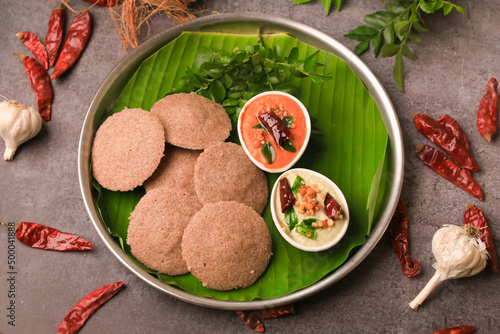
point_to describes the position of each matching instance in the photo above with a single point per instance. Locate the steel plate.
(244, 23)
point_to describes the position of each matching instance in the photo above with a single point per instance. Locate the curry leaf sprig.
(390, 30)
(232, 78)
(327, 4)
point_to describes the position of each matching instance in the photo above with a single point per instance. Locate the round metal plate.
(244, 23)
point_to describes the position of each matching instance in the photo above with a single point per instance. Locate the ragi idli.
(127, 149)
(176, 169)
(156, 228)
(223, 172)
(192, 121)
(226, 245)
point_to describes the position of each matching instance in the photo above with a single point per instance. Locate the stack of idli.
(201, 211)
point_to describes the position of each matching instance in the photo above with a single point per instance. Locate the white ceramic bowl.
(306, 140)
(338, 195)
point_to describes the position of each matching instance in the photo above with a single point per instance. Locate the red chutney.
(254, 139)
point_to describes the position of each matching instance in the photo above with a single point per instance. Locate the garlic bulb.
(18, 124)
(459, 252)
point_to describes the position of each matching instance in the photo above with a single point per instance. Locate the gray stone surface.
(454, 62)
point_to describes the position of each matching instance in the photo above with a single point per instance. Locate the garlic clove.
(18, 124)
(459, 252)
(9, 152)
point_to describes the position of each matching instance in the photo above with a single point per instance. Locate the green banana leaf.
(348, 145)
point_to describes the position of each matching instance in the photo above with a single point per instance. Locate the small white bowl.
(302, 149)
(335, 192)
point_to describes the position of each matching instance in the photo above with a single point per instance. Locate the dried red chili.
(54, 34)
(286, 195)
(398, 235)
(103, 3)
(78, 36)
(456, 330)
(44, 237)
(40, 83)
(452, 125)
(76, 318)
(487, 114)
(276, 312)
(447, 168)
(35, 45)
(275, 126)
(251, 318)
(474, 215)
(442, 137)
(333, 210)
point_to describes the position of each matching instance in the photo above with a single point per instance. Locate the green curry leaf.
(389, 30)
(291, 219)
(297, 184)
(268, 152)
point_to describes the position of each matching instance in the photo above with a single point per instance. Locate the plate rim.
(371, 82)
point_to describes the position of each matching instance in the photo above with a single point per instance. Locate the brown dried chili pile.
(474, 216)
(44, 237)
(487, 122)
(398, 235)
(251, 318)
(456, 330)
(79, 314)
(447, 134)
(40, 83)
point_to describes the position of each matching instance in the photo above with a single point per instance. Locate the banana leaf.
(348, 145)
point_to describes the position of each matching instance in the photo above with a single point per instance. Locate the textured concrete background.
(455, 60)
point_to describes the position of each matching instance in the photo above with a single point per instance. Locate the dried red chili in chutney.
(333, 210)
(474, 215)
(78, 36)
(447, 168)
(40, 83)
(286, 195)
(398, 235)
(275, 126)
(487, 122)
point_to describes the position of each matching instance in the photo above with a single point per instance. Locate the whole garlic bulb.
(459, 252)
(18, 124)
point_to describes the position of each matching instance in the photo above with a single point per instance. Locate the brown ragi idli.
(192, 121)
(156, 228)
(223, 172)
(226, 245)
(175, 169)
(127, 149)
